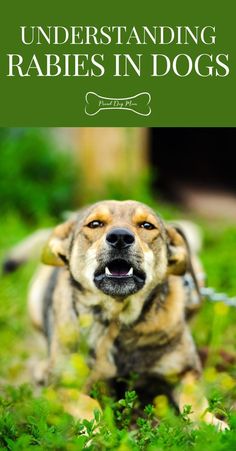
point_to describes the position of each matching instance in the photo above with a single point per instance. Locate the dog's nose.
(120, 238)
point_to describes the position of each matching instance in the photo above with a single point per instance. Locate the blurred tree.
(110, 157)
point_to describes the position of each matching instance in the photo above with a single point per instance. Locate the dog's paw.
(219, 424)
(78, 404)
(40, 372)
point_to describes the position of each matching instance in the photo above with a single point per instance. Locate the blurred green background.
(45, 173)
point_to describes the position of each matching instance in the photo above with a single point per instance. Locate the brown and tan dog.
(119, 263)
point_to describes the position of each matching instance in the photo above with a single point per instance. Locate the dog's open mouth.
(119, 278)
(119, 269)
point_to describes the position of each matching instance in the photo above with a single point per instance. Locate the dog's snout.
(120, 238)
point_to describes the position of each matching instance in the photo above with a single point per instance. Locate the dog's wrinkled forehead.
(123, 213)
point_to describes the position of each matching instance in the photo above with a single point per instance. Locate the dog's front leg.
(62, 372)
(188, 393)
(104, 367)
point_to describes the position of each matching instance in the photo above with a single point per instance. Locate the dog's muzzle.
(119, 278)
(120, 275)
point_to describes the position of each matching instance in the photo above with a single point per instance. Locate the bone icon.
(139, 103)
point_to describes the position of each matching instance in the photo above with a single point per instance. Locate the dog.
(136, 277)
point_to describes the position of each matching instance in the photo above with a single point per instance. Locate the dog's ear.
(178, 251)
(56, 250)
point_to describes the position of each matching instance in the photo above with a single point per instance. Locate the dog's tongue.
(119, 269)
(119, 272)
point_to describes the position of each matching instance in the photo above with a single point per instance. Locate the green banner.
(119, 63)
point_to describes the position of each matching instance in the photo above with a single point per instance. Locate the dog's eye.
(147, 225)
(95, 224)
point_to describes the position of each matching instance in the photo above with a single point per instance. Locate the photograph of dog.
(137, 278)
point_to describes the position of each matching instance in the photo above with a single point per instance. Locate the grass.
(32, 420)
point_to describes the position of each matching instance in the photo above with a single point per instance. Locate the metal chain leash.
(211, 295)
(208, 293)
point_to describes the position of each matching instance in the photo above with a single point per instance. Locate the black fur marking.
(98, 314)
(74, 303)
(97, 309)
(147, 388)
(63, 258)
(10, 266)
(71, 244)
(141, 359)
(76, 284)
(158, 296)
(47, 305)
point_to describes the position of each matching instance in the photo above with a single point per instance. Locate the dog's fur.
(136, 290)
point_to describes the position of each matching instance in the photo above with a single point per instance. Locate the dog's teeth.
(130, 273)
(107, 272)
